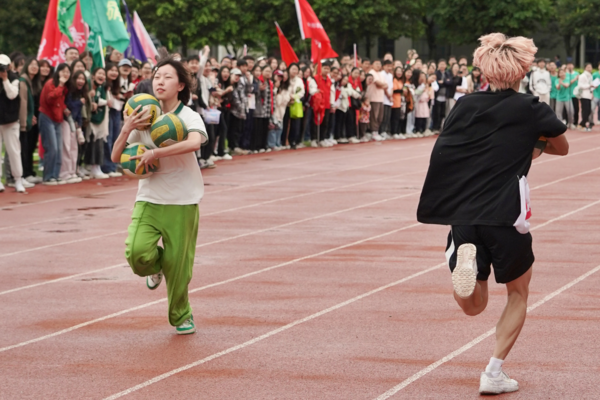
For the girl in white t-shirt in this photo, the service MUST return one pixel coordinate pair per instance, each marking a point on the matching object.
(167, 202)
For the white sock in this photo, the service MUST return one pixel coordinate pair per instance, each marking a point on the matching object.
(494, 367)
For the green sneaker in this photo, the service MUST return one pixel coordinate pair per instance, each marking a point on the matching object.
(187, 327)
(153, 281)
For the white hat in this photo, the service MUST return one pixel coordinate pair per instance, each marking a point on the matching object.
(236, 71)
(4, 60)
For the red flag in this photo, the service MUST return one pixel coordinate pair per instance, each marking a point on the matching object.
(322, 49)
(310, 27)
(287, 52)
(51, 38)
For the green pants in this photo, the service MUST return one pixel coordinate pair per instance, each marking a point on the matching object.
(178, 227)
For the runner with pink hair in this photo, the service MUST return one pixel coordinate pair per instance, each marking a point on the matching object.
(477, 184)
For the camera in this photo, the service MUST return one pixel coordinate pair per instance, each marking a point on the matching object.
(3, 68)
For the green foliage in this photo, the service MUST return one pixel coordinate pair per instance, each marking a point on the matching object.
(22, 25)
(578, 17)
(464, 21)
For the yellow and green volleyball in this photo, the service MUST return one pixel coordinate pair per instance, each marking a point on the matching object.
(147, 101)
(168, 130)
(130, 166)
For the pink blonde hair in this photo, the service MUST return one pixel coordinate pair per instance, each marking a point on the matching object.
(503, 60)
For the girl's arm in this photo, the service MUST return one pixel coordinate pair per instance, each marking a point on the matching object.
(131, 122)
(190, 145)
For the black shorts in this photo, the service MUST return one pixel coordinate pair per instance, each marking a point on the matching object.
(501, 246)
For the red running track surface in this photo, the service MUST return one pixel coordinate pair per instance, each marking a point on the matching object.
(312, 280)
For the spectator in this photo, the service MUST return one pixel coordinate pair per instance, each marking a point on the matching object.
(9, 123)
(540, 82)
(71, 54)
(264, 109)
(72, 133)
(52, 111)
(553, 82)
(563, 97)
(596, 99)
(573, 77)
(239, 107)
(396, 115)
(585, 91)
(439, 105)
(115, 108)
(376, 94)
(101, 99)
(388, 77)
(29, 90)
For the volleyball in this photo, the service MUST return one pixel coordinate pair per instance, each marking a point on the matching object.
(147, 101)
(130, 166)
(168, 130)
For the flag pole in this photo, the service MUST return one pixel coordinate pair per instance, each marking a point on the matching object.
(355, 57)
(101, 51)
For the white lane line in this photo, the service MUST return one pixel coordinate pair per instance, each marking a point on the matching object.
(478, 339)
(225, 239)
(270, 333)
(218, 191)
(296, 260)
(385, 149)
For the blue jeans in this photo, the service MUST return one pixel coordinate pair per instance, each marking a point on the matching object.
(114, 129)
(274, 138)
(52, 142)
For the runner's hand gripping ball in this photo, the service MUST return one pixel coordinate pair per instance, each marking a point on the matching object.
(130, 166)
(147, 101)
(168, 130)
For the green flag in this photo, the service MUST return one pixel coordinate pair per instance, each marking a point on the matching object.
(64, 15)
(104, 19)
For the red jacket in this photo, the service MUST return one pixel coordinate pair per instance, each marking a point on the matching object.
(52, 101)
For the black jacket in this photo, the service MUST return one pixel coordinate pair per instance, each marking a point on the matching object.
(9, 109)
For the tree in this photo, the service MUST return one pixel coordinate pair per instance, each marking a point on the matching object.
(575, 18)
(22, 26)
(464, 21)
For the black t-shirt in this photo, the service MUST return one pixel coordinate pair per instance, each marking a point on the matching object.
(485, 148)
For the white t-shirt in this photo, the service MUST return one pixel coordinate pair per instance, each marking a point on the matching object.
(464, 85)
(178, 180)
(389, 79)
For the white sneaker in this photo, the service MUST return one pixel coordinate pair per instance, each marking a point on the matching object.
(428, 133)
(19, 186)
(420, 135)
(217, 158)
(353, 140)
(210, 163)
(364, 139)
(333, 142)
(34, 179)
(268, 150)
(26, 184)
(369, 136)
(74, 179)
(60, 182)
(153, 281)
(212, 159)
(51, 182)
(464, 276)
(227, 157)
(261, 151)
(396, 136)
(502, 384)
(100, 175)
(401, 136)
(323, 143)
(343, 141)
(410, 135)
(313, 143)
(300, 146)
(377, 137)
(115, 174)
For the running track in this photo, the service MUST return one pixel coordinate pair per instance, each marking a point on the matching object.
(312, 280)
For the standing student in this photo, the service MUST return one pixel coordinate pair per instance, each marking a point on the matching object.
(585, 88)
(364, 119)
(264, 108)
(540, 82)
(563, 98)
(439, 105)
(573, 77)
(410, 115)
(452, 80)
(282, 99)
(101, 99)
(355, 105)
(397, 89)
(375, 92)
(477, 184)
(29, 90)
(386, 74)
(296, 90)
(319, 131)
(553, 82)
(239, 107)
(52, 108)
(474, 80)
(167, 202)
(72, 126)
(224, 92)
(113, 85)
(423, 93)
(596, 95)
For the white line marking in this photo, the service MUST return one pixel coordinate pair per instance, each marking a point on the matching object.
(96, 212)
(221, 240)
(240, 172)
(84, 324)
(478, 339)
(271, 333)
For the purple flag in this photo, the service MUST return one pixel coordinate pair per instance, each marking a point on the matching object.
(135, 48)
